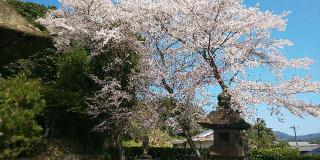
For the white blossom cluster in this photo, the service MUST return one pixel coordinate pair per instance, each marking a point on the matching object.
(92, 22)
(106, 102)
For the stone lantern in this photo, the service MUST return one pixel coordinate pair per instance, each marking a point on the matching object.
(227, 125)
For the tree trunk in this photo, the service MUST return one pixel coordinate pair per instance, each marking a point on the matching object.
(192, 144)
(145, 145)
(120, 150)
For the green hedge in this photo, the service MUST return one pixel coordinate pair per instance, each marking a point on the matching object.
(273, 154)
(161, 153)
(279, 154)
(134, 153)
(186, 154)
(308, 157)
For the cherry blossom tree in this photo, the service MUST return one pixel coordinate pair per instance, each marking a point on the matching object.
(187, 46)
(98, 25)
(144, 120)
(228, 42)
(220, 43)
(185, 94)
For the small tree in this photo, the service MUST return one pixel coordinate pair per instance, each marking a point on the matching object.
(259, 136)
(115, 102)
(20, 103)
(143, 122)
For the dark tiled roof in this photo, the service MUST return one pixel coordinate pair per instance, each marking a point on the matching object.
(225, 118)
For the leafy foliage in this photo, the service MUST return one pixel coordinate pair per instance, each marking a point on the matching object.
(112, 71)
(162, 153)
(67, 83)
(73, 71)
(20, 102)
(160, 138)
(273, 154)
(308, 157)
(66, 111)
(43, 64)
(259, 136)
(131, 143)
(187, 154)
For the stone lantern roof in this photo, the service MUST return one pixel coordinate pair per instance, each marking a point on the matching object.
(225, 116)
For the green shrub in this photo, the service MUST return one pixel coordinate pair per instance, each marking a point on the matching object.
(308, 157)
(73, 70)
(66, 98)
(20, 102)
(186, 154)
(42, 65)
(273, 154)
(161, 153)
(131, 143)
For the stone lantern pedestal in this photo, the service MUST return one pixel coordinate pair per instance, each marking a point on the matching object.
(227, 125)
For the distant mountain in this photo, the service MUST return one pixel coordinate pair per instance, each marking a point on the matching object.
(308, 137)
(284, 136)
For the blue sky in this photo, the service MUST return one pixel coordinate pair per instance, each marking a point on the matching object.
(303, 30)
